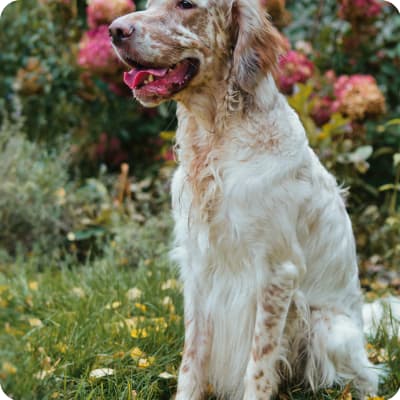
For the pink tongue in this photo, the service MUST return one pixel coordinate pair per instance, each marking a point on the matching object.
(135, 77)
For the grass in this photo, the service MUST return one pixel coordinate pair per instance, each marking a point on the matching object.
(59, 323)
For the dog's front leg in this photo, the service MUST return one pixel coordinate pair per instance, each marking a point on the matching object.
(192, 380)
(273, 303)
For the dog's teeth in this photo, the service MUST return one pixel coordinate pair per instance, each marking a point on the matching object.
(151, 78)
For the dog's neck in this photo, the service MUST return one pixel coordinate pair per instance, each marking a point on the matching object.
(221, 117)
(216, 105)
(216, 127)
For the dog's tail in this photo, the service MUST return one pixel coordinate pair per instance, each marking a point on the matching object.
(382, 314)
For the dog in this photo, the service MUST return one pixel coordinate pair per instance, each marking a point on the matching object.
(262, 237)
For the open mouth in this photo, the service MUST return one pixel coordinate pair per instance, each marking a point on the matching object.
(151, 81)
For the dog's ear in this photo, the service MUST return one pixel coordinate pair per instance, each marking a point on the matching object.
(258, 44)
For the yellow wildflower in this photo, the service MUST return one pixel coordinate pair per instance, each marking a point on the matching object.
(33, 285)
(145, 362)
(141, 307)
(35, 322)
(114, 305)
(159, 323)
(168, 303)
(3, 288)
(9, 368)
(139, 333)
(61, 347)
(136, 353)
(133, 322)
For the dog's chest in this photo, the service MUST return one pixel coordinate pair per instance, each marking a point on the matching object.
(220, 227)
(215, 251)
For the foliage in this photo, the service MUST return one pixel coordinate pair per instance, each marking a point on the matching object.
(40, 62)
(30, 181)
(43, 210)
(351, 39)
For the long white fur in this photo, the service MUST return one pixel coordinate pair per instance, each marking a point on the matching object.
(267, 202)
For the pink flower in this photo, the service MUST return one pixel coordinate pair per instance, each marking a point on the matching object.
(345, 83)
(358, 96)
(322, 110)
(351, 10)
(96, 53)
(101, 12)
(295, 67)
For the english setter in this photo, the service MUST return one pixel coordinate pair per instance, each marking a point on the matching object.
(263, 239)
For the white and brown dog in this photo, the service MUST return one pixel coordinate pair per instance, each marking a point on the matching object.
(263, 239)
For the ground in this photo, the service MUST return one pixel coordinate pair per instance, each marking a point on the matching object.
(107, 329)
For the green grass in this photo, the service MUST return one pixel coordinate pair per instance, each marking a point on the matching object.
(60, 322)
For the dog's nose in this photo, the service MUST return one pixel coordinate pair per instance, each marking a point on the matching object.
(120, 31)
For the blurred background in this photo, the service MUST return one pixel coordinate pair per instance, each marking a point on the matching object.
(84, 187)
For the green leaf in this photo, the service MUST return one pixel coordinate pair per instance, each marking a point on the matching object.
(361, 154)
(396, 159)
(335, 125)
(88, 234)
(395, 121)
(389, 186)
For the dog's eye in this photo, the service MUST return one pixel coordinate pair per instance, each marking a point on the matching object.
(185, 5)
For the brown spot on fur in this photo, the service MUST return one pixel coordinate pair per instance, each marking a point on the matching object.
(255, 355)
(188, 323)
(269, 308)
(267, 387)
(270, 323)
(185, 369)
(267, 349)
(191, 354)
(259, 375)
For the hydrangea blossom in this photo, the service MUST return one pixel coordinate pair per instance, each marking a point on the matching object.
(295, 67)
(101, 12)
(358, 96)
(96, 53)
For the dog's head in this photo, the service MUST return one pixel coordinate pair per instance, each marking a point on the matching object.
(177, 46)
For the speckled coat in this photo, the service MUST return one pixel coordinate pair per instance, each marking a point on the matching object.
(262, 236)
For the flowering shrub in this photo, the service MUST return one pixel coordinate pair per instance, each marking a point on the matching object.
(31, 78)
(102, 12)
(358, 96)
(359, 10)
(96, 53)
(295, 67)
